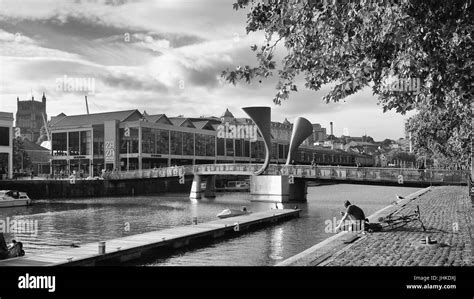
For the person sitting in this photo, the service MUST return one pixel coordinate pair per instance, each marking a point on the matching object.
(353, 213)
(3, 248)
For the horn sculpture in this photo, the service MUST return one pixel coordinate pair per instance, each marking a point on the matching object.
(261, 116)
(302, 129)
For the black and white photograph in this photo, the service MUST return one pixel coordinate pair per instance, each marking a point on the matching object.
(236, 147)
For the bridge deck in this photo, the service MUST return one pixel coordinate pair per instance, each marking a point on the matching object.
(132, 247)
(308, 172)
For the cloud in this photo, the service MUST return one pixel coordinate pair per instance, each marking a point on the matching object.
(161, 56)
(133, 82)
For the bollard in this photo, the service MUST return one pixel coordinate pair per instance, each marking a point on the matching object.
(102, 247)
(195, 220)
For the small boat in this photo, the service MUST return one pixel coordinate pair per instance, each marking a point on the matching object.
(232, 213)
(13, 198)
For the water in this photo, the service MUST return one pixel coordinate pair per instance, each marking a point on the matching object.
(65, 222)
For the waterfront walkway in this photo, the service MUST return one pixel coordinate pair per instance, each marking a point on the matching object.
(447, 215)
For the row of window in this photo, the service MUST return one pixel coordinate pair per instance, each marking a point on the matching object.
(164, 142)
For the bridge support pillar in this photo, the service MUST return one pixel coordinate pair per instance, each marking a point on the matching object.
(196, 190)
(277, 188)
(210, 187)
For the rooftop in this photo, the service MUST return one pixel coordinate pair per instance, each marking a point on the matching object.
(98, 118)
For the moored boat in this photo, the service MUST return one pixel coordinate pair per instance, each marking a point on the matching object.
(232, 213)
(13, 198)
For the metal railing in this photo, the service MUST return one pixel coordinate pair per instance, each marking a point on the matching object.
(399, 175)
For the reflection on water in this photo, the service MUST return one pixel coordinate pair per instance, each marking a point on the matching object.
(78, 221)
(276, 244)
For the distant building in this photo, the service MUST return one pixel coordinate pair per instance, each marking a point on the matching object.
(6, 145)
(130, 140)
(29, 117)
(318, 135)
(40, 157)
(361, 147)
(405, 144)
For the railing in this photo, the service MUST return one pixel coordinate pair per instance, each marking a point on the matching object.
(399, 175)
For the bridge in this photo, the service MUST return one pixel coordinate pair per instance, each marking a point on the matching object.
(289, 182)
(286, 183)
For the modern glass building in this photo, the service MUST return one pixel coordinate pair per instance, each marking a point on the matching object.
(130, 140)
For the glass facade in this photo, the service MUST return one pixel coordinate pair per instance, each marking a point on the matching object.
(176, 140)
(229, 147)
(73, 143)
(85, 143)
(160, 147)
(220, 147)
(162, 142)
(59, 144)
(210, 146)
(4, 136)
(98, 133)
(148, 141)
(188, 144)
(129, 144)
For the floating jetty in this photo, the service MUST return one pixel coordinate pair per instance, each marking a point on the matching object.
(133, 247)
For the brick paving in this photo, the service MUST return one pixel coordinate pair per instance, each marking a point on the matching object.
(447, 215)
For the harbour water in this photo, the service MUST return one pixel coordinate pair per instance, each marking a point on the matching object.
(61, 223)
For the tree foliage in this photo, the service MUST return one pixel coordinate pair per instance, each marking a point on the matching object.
(397, 154)
(443, 134)
(21, 160)
(355, 44)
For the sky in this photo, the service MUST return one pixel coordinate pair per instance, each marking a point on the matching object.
(162, 56)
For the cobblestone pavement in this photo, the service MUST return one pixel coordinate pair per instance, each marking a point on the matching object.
(446, 214)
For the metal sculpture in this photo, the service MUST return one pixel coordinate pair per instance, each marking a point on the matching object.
(261, 116)
(302, 129)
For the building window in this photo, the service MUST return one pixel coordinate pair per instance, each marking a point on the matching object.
(247, 148)
(59, 144)
(98, 140)
(4, 136)
(188, 144)
(176, 139)
(162, 142)
(229, 147)
(210, 146)
(280, 151)
(274, 151)
(238, 147)
(200, 148)
(148, 141)
(73, 143)
(130, 142)
(85, 145)
(220, 146)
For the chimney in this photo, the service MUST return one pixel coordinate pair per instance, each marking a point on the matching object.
(332, 133)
